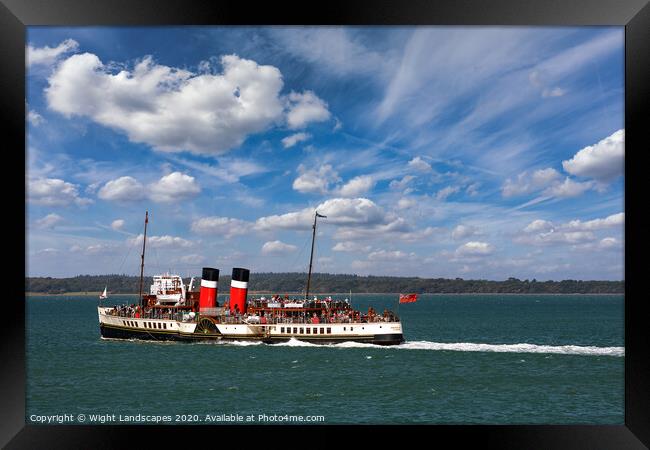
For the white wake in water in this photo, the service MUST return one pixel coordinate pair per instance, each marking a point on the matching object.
(231, 343)
(515, 348)
(473, 347)
(427, 345)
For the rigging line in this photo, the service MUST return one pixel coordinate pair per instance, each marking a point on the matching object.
(293, 264)
(155, 254)
(127, 254)
(114, 259)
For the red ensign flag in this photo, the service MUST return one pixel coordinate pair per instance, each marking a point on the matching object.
(408, 298)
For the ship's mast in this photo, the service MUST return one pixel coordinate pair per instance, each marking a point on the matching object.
(311, 257)
(144, 243)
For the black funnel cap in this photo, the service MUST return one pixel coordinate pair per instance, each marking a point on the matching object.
(239, 274)
(210, 274)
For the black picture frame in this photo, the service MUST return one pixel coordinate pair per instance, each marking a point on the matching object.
(15, 15)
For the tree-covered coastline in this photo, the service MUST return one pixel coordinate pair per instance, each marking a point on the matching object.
(329, 283)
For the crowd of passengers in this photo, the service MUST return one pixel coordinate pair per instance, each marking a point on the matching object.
(346, 315)
(135, 311)
(282, 302)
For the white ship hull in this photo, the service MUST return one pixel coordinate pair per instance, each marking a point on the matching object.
(118, 327)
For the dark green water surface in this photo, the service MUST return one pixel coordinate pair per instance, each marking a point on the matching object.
(470, 359)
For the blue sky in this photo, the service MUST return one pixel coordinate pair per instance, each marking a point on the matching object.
(473, 152)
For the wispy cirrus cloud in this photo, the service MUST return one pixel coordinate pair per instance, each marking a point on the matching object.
(431, 148)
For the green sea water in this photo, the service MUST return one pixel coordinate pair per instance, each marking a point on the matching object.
(468, 359)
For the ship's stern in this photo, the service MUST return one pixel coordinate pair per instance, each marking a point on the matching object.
(389, 335)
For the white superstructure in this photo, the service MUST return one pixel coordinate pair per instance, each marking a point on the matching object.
(168, 289)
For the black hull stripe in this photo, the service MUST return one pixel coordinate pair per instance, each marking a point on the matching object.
(116, 332)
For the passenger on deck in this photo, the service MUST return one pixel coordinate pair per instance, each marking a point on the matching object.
(315, 319)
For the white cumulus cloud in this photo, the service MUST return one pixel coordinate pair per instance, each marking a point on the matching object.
(54, 192)
(166, 241)
(122, 189)
(173, 187)
(463, 231)
(175, 110)
(350, 246)
(117, 224)
(169, 188)
(568, 188)
(538, 225)
(339, 211)
(547, 181)
(612, 221)
(406, 203)
(419, 165)
(526, 183)
(442, 194)
(388, 255)
(48, 55)
(34, 118)
(294, 139)
(315, 181)
(93, 249)
(475, 248)
(609, 242)
(543, 232)
(277, 248)
(304, 108)
(402, 184)
(356, 186)
(220, 226)
(49, 221)
(603, 161)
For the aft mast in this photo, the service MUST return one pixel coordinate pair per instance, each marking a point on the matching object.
(144, 243)
(311, 257)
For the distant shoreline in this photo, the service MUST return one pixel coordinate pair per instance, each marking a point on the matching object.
(329, 284)
(96, 294)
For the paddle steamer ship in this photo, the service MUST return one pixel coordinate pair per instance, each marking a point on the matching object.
(173, 311)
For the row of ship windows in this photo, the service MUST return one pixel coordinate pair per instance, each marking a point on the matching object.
(314, 330)
(131, 323)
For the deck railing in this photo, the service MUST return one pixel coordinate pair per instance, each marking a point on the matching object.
(221, 315)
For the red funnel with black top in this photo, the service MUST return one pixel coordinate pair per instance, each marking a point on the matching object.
(239, 289)
(209, 283)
